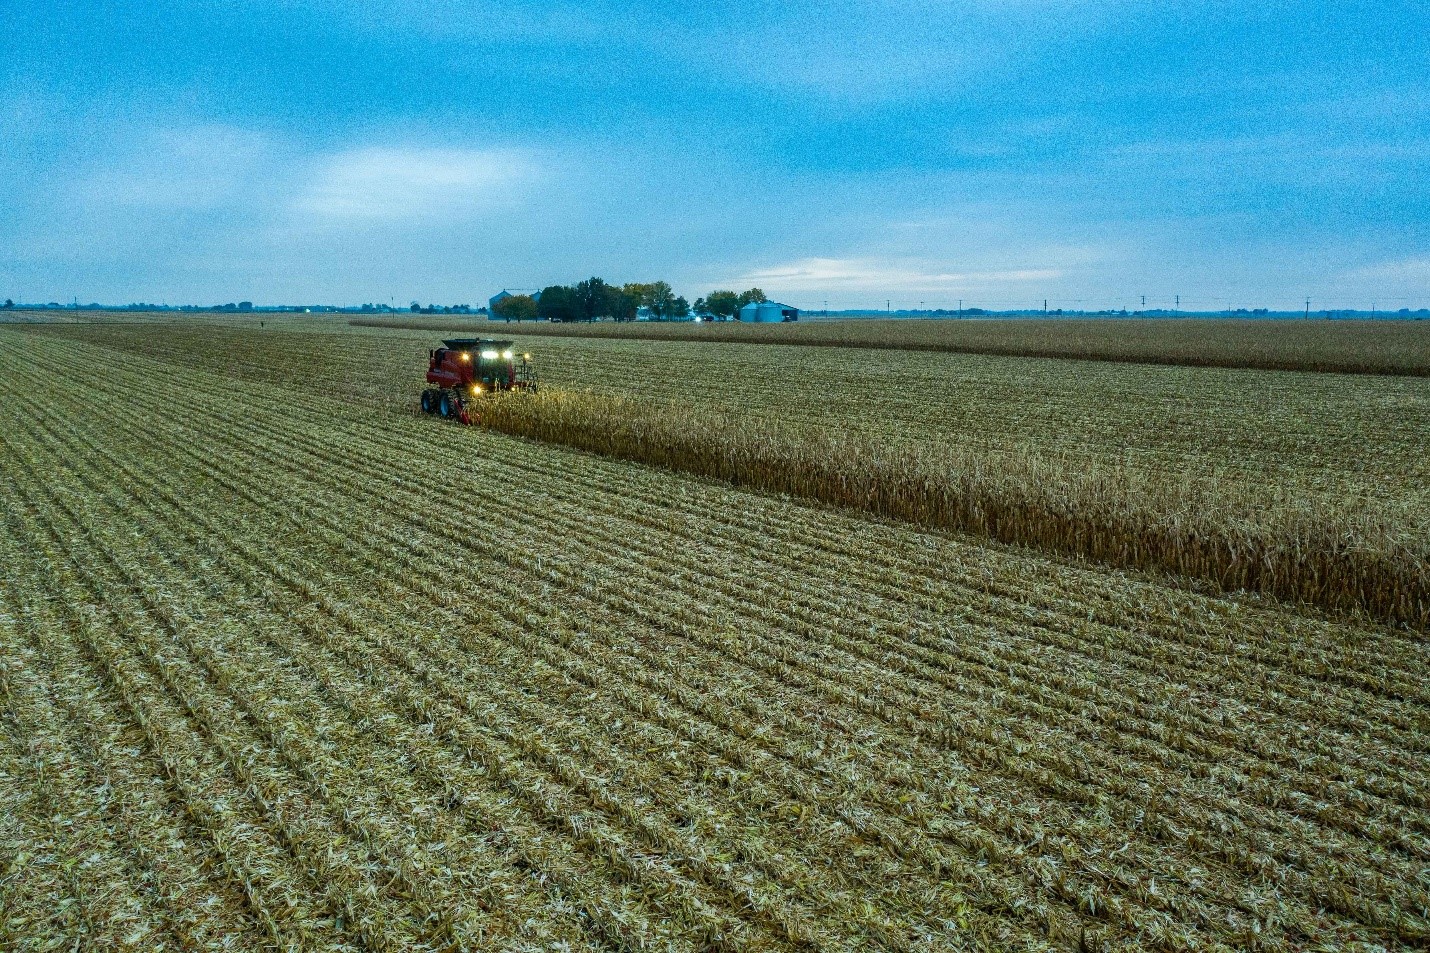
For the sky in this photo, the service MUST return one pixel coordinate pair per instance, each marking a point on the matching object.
(863, 153)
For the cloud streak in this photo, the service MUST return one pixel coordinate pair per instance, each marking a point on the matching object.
(412, 183)
(192, 168)
(1411, 269)
(871, 274)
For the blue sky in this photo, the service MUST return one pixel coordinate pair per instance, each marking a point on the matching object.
(1001, 152)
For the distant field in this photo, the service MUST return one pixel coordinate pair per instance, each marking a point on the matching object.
(48, 316)
(284, 665)
(1360, 347)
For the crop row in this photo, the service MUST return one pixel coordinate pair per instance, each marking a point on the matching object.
(418, 441)
(779, 711)
(208, 739)
(1329, 664)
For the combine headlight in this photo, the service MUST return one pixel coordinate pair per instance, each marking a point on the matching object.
(506, 354)
(476, 388)
(489, 355)
(466, 356)
(526, 357)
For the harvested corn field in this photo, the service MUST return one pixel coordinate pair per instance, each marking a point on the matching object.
(277, 674)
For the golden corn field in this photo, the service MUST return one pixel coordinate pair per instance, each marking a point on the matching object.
(286, 666)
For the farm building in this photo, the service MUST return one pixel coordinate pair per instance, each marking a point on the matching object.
(766, 311)
(503, 294)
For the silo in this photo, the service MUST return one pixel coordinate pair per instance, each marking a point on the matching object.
(764, 312)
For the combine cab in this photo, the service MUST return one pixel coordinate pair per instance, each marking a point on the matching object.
(464, 370)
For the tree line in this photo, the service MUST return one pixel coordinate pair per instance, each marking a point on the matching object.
(594, 298)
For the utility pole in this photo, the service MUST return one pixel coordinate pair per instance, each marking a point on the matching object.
(1308, 309)
(1178, 305)
(1144, 302)
(1045, 307)
(960, 306)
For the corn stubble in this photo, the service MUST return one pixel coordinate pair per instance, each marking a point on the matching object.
(261, 689)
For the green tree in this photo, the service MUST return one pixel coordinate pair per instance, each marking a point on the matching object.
(745, 297)
(680, 308)
(515, 308)
(594, 296)
(559, 303)
(662, 300)
(723, 304)
(622, 306)
(640, 293)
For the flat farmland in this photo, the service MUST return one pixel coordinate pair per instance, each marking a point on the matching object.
(1312, 487)
(1350, 347)
(1347, 438)
(286, 666)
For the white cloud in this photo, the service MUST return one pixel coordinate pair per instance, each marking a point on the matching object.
(222, 213)
(873, 274)
(201, 167)
(248, 178)
(397, 183)
(1410, 269)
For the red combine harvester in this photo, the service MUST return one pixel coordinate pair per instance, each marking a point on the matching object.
(464, 370)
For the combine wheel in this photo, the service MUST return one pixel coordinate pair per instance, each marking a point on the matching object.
(429, 405)
(446, 407)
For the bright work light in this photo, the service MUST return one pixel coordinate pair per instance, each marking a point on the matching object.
(506, 354)
(489, 355)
